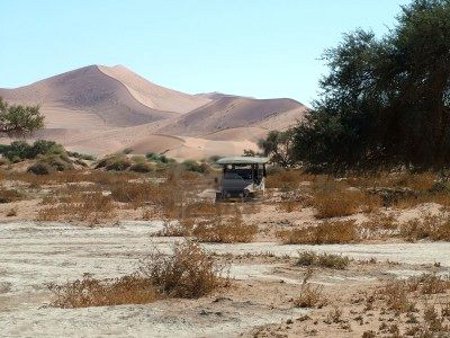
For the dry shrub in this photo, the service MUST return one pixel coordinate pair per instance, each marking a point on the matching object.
(189, 273)
(10, 195)
(202, 208)
(379, 226)
(338, 203)
(336, 199)
(135, 193)
(395, 295)
(94, 208)
(181, 228)
(310, 296)
(435, 228)
(88, 291)
(289, 206)
(324, 233)
(225, 230)
(310, 258)
(286, 179)
(430, 284)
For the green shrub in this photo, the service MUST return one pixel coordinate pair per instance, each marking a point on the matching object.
(159, 158)
(17, 151)
(80, 156)
(309, 258)
(117, 162)
(191, 165)
(20, 150)
(57, 162)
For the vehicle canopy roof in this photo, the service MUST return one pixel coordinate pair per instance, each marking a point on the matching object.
(242, 160)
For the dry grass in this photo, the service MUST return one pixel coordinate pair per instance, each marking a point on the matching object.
(136, 193)
(88, 291)
(310, 296)
(435, 228)
(10, 195)
(287, 180)
(337, 199)
(225, 230)
(189, 273)
(338, 232)
(93, 208)
(396, 293)
(324, 260)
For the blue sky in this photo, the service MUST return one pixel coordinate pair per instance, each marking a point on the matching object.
(259, 48)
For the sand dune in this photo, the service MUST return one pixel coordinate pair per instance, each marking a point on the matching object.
(100, 110)
(253, 134)
(152, 95)
(89, 93)
(231, 112)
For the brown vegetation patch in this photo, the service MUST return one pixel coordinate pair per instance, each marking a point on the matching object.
(225, 230)
(338, 232)
(88, 291)
(435, 228)
(189, 273)
(94, 208)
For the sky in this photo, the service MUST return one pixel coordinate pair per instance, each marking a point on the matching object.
(257, 48)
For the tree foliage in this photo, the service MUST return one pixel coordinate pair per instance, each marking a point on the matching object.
(279, 147)
(19, 120)
(385, 102)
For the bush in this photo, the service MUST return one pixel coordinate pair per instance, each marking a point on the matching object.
(159, 158)
(43, 147)
(189, 273)
(17, 151)
(10, 195)
(80, 156)
(20, 150)
(40, 168)
(117, 162)
(191, 165)
(309, 258)
(141, 167)
(58, 162)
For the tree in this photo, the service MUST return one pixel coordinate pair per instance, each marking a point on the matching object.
(385, 102)
(19, 120)
(278, 146)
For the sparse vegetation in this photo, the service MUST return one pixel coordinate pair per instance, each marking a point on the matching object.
(89, 291)
(91, 208)
(338, 232)
(310, 258)
(311, 296)
(189, 273)
(220, 230)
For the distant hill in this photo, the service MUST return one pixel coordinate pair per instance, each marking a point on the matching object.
(100, 109)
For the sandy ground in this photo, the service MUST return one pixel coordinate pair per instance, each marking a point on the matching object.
(33, 254)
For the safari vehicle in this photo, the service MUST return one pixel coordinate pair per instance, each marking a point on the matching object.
(242, 177)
